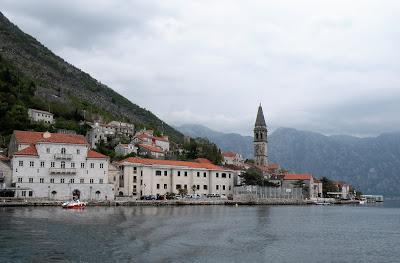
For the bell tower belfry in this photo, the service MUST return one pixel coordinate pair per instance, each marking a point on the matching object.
(260, 139)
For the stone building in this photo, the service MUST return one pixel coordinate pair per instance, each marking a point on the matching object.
(5, 175)
(141, 176)
(232, 158)
(40, 115)
(58, 166)
(260, 140)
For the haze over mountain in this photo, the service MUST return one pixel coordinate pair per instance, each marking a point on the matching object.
(373, 164)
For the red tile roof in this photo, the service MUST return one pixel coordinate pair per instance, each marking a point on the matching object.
(297, 177)
(229, 154)
(164, 139)
(151, 148)
(94, 154)
(30, 137)
(202, 160)
(4, 158)
(31, 150)
(197, 165)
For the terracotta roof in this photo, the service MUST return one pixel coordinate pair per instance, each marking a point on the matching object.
(197, 165)
(30, 137)
(202, 160)
(164, 139)
(297, 177)
(151, 148)
(229, 154)
(4, 158)
(31, 150)
(93, 154)
(273, 166)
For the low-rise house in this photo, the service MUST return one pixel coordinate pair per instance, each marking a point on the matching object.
(41, 116)
(150, 151)
(5, 175)
(304, 181)
(99, 132)
(140, 176)
(124, 149)
(147, 137)
(343, 191)
(232, 158)
(122, 128)
(58, 166)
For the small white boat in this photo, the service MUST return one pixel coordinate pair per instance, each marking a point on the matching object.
(363, 201)
(323, 203)
(74, 204)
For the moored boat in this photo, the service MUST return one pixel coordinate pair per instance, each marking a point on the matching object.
(74, 204)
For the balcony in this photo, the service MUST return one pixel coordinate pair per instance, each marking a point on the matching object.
(62, 171)
(62, 156)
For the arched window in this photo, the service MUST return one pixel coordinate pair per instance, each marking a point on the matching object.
(53, 194)
(121, 193)
(63, 150)
(63, 164)
(256, 135)
(261, 136)
(97, 195)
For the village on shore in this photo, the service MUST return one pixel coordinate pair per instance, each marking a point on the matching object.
(47, 168)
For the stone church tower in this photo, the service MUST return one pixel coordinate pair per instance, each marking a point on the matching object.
(260, 139)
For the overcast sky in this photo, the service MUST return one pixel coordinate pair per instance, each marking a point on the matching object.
(325, 66)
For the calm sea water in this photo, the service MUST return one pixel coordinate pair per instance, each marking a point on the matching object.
(368, 233)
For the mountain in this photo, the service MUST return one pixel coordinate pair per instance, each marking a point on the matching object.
(372, 164)
(66, 87)
(226, 141)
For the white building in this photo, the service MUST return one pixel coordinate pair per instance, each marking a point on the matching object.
(150, 151)
(5, 174)
(141, 176)
(40, 115)
(122, 128)
(124, 149)
(232, 158)
(58, 166)
(98, 133)
(147, 137)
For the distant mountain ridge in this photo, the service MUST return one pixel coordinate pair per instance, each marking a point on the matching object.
(373, 164)
(58, 81)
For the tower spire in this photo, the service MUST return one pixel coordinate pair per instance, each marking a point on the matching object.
(260, 121)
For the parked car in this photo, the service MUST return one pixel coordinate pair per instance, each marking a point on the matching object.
(150, 197)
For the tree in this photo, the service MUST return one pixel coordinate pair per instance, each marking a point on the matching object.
(182, 191)
(328, 186)
(194, 188)
(254, 177)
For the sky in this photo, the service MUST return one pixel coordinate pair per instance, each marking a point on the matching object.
(325, 66)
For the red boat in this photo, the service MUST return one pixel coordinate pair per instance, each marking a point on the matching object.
(74, 204)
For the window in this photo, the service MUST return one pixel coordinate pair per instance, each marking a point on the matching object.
(185, 186)
(158, 186)
(82, 181)
(158, 173)
(179, 173)
(223, 175)
(101, 165)
(185, 173)
(91, 165)
(229, 188)
(178, 186)
(134, 179)
(62, 180)
(63, 151)
(78, 151)
(165, 173)
(30, 193)
(91, 181)
(205, 187)
(52, 180)
(204, 174)
(217, 175)
(72, 165)
(217, 187)
(31, 164)
(71, 181)
(21, 163)
(82, 165)
(47, 150)
(229, 175)
(141, 182)
(42, 164)
(100, 181)
(223, 187)
(41, 180)
(52, 164)
(198, 187)
(198, 174)
(31, 180)
(63, 165)
(165, 186)
(23, 193)
(19, 180)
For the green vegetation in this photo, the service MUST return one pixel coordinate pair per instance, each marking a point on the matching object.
(328, 186)
(254, 177)
(201, 148)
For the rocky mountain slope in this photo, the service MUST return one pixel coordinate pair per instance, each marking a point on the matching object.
(59, 82)
(373, 164)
